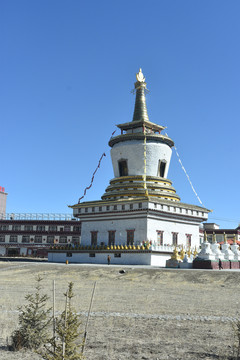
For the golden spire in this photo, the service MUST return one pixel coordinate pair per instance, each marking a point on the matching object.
(205, 236)
(235, 239)
(195, 252)
(140, 110)
(182, 253)
(225, 237)
(214, 238)
(175, 255)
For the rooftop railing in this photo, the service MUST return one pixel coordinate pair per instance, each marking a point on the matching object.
(37, 216)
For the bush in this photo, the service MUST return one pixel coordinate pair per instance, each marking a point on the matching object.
(34, 320)
(63, 346)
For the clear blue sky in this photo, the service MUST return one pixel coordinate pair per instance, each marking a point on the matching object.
(67, 69)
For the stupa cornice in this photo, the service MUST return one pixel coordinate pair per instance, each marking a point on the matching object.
(139, 123)
(141, 136)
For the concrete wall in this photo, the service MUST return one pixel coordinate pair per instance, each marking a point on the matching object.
(168, 227)
(159, 260)
(133, 152)
(101, 258)
(119, 225)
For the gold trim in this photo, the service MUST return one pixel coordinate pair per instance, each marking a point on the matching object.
(138, 177)
(134, 195)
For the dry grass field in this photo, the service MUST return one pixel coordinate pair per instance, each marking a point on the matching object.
(144, 313)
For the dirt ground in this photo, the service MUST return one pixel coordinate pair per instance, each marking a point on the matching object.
(145, 313)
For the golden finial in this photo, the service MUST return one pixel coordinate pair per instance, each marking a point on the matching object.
(182, 253)
(225, 237)
(235, 239)
(205, 236)
(195, 252)
(175, 255)
(214, 238)
(140, 77)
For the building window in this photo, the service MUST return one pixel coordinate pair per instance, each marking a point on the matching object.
(155, 205)
(3, 227)
(111, 237)
(174, 209)
(52, 228)
(63, 239)
(93, 209)
(140, 205)
(16, 227)
(186, 211)
(50, 239)
(40, 228)
(130, 237)
(79, 211)
(67, 228)
(86, 210)
(92, 255)
(108, 207)
(76, 240)
(94, 238)
(28, 227)
(174, 238)
(76, 228)
(188, 240)
(161, 168)
(100, 208)
(2, 238)
(159, 237)
(180, 210)
(38, 239)
(123, 207)
(13, 238)
(26, 239)
(117, 255)
(69, 254)
(131, 206)
(115, 207)
(123, 168)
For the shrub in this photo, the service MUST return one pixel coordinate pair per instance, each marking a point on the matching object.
(63, 345)
(34, 320)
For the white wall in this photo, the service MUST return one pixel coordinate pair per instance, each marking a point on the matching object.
(101, 258)
(159, 260)
(168, 227)
(133, 151)
(120, 225)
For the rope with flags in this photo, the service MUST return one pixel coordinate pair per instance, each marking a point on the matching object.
(145, 163)
(187, 176)
(88, 187)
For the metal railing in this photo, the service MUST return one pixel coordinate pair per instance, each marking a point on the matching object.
(37, 216)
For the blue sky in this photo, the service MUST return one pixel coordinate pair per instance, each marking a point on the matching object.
(67, 71)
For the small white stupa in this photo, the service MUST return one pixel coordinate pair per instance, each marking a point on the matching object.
(226, 250)
(206, 251)
(216, 249)
(235, 249)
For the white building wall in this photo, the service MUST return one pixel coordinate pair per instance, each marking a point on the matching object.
(168, 227)
(159, 260)
(119, 225)
(101, 258)
(133, 152)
